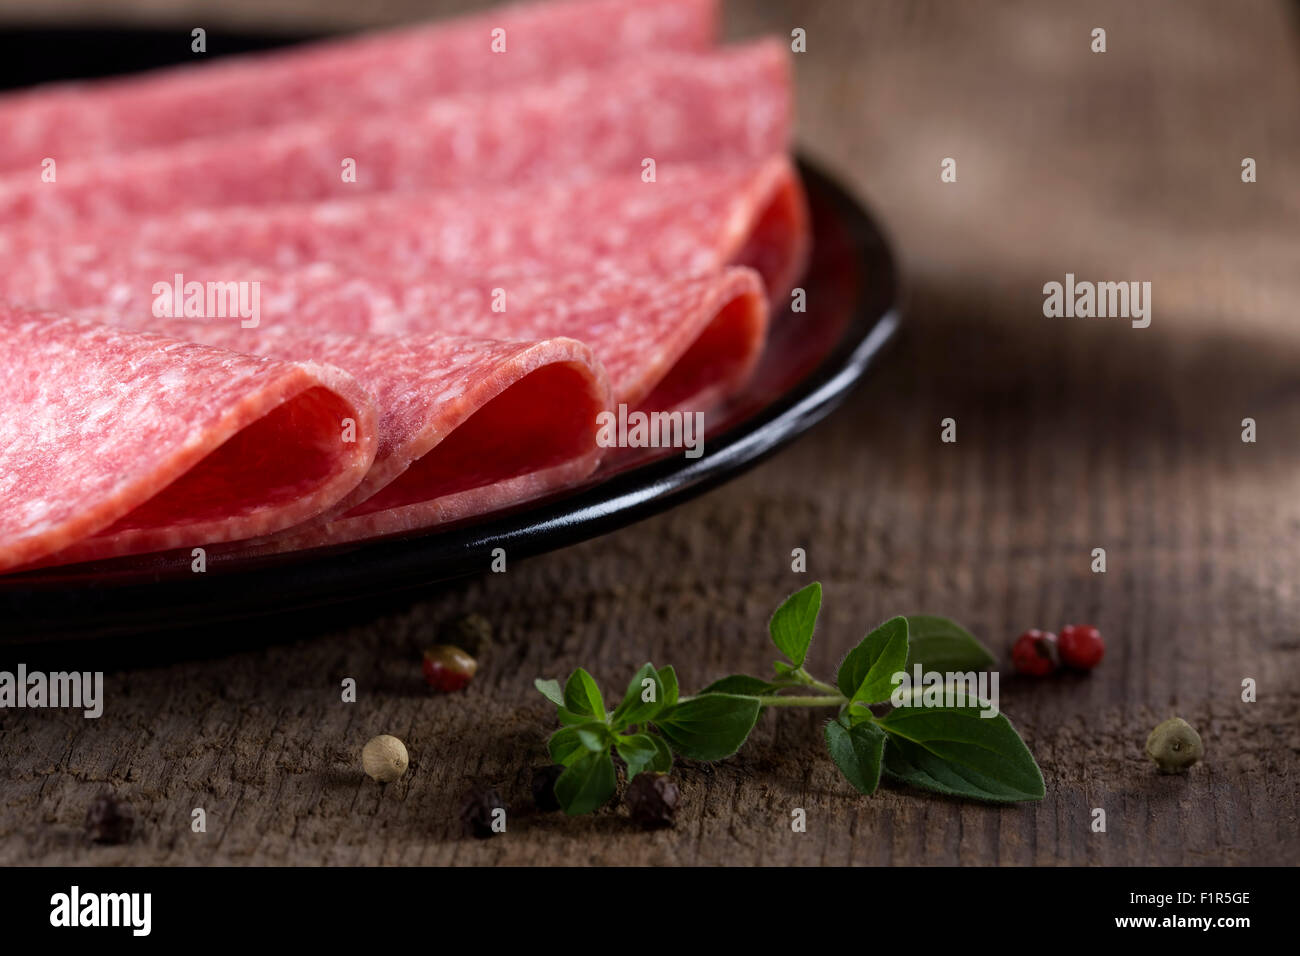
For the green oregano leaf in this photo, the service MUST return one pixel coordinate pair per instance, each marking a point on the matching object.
(956, 751)
(668, 680)
(866, 675)
(638, 752)
(792, 625)
(570, 719)
(594, 736)
(943, 646)
(635, 709)
(565, 746)
(950, 750)
(550, 689)
(582, 696)
(587, 784)
(857, 751)
(709, 727)
(741, 684)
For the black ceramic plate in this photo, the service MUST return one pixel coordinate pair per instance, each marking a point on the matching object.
(811, 363)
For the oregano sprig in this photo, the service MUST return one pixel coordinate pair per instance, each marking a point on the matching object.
(956, 750)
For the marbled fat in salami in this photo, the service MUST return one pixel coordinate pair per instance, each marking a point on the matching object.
(598, 214)
(462, 423)
(666, 343)
(732, 104)
(118, 442)
(76, 122)
(693, 219)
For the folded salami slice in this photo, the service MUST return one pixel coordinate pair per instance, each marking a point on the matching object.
(734, 104)
(118, 442)
(666, 343)
(526, 410)
(693, 219)
(464, 425)
(382, 71)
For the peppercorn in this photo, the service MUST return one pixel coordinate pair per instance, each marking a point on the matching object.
(448, 668)
(477, 807)
(470, 631)
(544, 787)
(652, 799)
(1081, 646)
(1175, 745)
(109, 820)
(384, 758)
(1034, 653)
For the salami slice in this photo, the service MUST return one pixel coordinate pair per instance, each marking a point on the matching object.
(666, 343)
(370, 73)
(671, 107)
(463, 424)
(118, 442)
(467, 426)
(693, 219)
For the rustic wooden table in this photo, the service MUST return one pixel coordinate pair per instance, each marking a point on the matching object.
(1072, 435)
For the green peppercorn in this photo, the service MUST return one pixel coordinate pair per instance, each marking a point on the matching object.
(1175, 745)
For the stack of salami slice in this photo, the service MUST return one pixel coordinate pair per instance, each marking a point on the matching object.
(373, 285)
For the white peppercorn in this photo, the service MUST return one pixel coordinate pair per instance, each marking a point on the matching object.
(384, 758)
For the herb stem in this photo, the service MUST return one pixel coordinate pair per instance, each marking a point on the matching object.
(817, 700)
(801, 676)
(826, 688)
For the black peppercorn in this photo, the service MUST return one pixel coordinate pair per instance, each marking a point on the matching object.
(652, 800)
(478, 810)
(544, 787)
(473, 632)
(109, 820)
